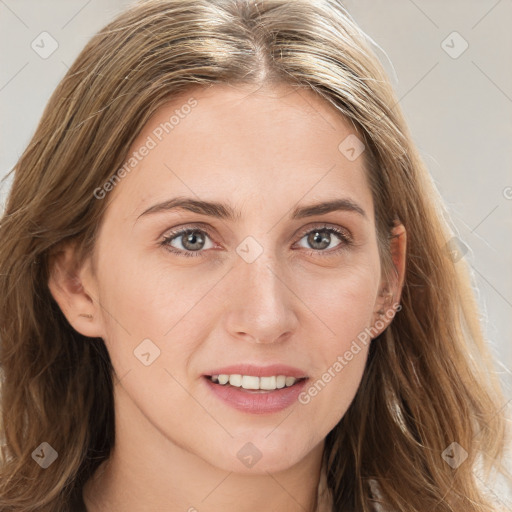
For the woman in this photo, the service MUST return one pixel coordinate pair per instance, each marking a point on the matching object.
(226, 283)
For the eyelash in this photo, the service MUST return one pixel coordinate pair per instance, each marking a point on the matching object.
(346, 240)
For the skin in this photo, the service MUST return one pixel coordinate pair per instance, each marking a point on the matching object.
(264, 151)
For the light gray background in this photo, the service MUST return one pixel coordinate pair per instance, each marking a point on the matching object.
(459, 111)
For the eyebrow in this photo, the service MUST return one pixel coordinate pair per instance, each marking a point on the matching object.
(227, 212)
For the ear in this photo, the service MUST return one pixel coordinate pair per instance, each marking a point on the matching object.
(390, 291)
(73, 288)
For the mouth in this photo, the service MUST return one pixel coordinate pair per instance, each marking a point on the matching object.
(255, 389)
(254, 384)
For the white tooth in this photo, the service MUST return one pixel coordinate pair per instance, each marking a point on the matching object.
(267, 382)
(223, 379)
(235, 380)
(290, 381)
(249, 382)
(280, 381)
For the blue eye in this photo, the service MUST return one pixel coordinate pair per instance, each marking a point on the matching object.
(193, 241)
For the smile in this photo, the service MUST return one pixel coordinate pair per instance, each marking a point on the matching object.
(251, 382)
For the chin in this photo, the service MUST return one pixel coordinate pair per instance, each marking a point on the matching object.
(267, 451)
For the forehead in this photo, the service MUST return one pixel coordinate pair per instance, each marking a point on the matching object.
(243, 145)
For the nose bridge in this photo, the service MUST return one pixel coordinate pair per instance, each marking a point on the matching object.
(263, 281)
(260, 302)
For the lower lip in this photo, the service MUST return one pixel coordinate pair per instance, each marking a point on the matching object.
(257, 402)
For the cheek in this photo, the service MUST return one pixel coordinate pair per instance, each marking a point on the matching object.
(142, 300)
(343, 307)
(342, 300)
(339, 367)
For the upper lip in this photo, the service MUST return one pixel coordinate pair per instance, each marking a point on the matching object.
(259, 371)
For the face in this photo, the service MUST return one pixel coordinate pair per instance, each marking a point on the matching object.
(259, 285)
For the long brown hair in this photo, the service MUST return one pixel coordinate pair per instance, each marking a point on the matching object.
(429, 380)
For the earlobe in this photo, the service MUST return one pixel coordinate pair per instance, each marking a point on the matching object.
(75, 301)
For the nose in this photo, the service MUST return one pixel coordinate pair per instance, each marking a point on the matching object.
(261, 304)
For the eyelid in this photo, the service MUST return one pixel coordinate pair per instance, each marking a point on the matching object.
(195, 226)
(326, 225)
(306, 229)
